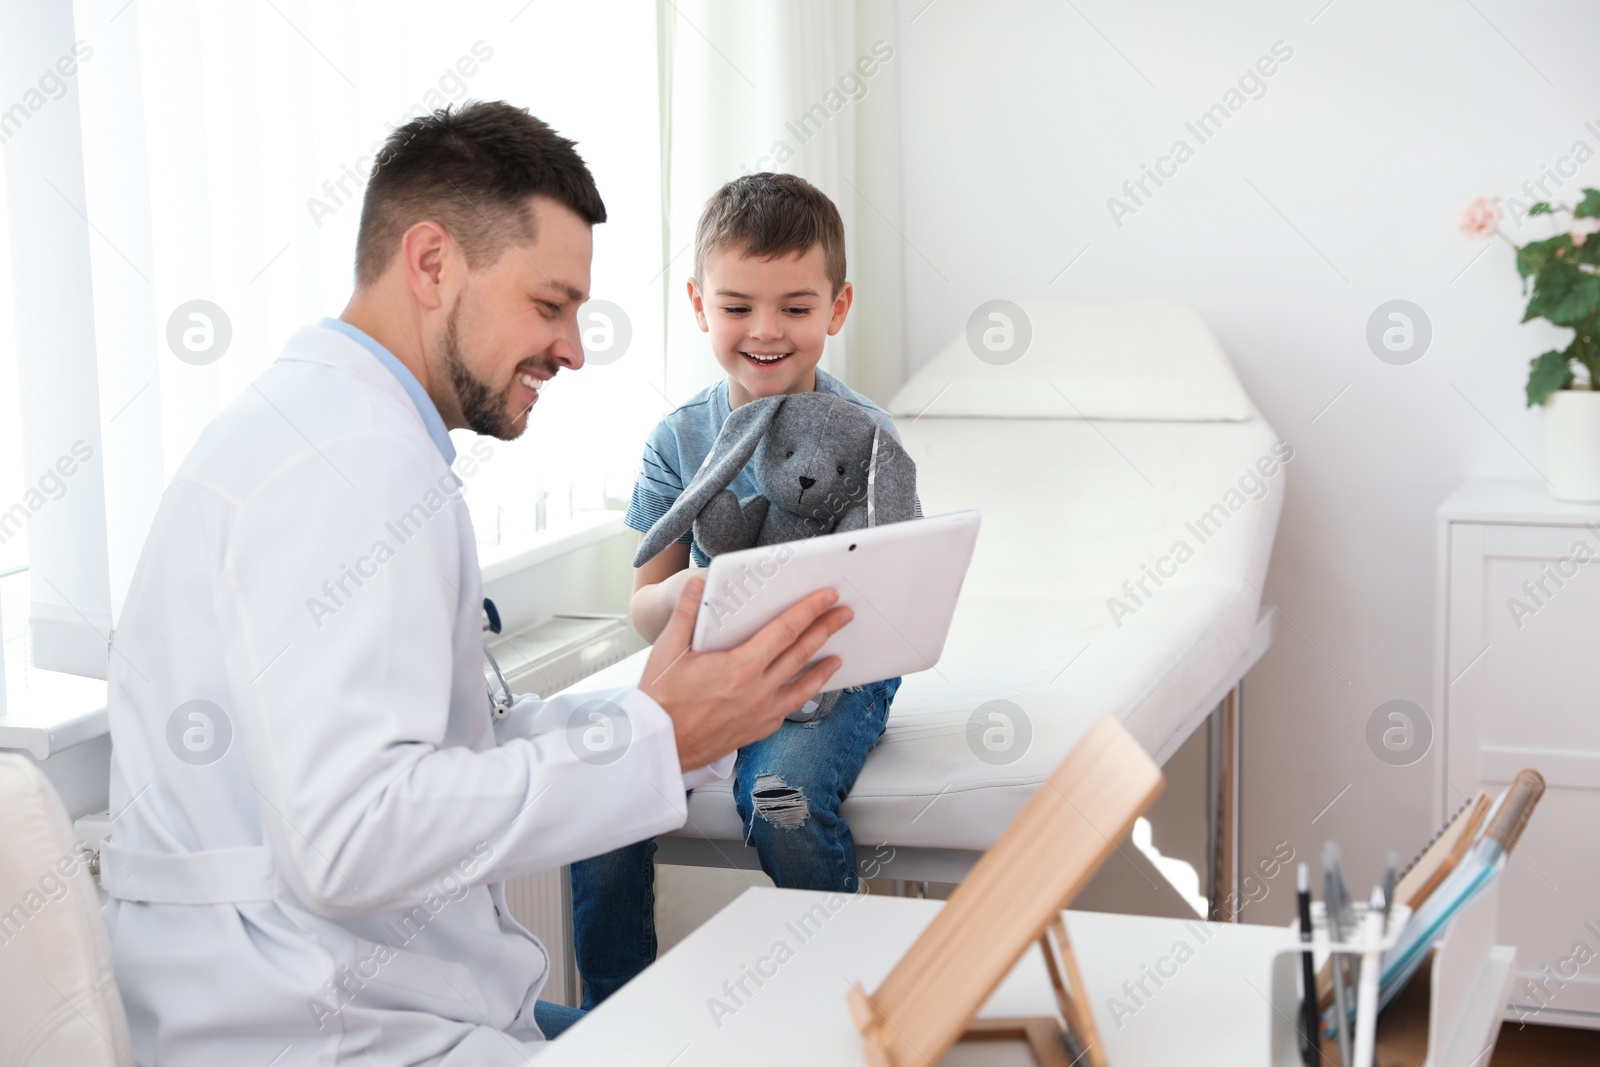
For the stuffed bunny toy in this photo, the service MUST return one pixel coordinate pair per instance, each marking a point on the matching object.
(825, 465)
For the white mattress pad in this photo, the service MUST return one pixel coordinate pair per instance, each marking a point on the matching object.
(1072, 509)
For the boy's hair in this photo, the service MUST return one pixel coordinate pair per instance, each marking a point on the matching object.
(771, 215)
(471, 170)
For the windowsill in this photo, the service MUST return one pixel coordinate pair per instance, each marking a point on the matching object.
(47, 711)
(586, 528)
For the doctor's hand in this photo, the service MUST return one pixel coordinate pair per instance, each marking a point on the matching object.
(722, 701)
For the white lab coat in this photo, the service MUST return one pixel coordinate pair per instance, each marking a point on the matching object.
(328, 890)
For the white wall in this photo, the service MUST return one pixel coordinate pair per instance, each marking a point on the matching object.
(1335, 191)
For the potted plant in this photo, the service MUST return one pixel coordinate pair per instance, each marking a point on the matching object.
(1561, 279)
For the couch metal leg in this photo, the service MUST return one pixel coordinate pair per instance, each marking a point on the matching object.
(1224, 737)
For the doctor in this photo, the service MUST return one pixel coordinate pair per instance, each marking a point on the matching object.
(314, 806)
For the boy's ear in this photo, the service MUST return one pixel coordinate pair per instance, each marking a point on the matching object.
(841, 308)
(697, 301)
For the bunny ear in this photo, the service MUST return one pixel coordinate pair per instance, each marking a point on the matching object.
(735, 444)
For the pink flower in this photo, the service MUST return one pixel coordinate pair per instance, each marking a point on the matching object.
(1479, 218)
(1582, 228)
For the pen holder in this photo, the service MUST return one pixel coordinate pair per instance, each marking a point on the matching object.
(1285, 1036)
(1450, 1012)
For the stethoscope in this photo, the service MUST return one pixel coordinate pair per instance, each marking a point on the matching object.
(499, 702)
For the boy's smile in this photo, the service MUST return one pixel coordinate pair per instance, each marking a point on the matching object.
(768, 319)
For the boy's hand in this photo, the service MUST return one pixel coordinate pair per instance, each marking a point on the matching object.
(670, 592)
(657, 588)
(722, 701)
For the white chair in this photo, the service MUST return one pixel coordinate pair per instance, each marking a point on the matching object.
(59, 1005)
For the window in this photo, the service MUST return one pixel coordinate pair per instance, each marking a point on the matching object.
(13, 531)
(13, 537)
(258, 154)
(225, 148)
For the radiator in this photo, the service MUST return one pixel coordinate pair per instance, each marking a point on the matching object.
(562, 652)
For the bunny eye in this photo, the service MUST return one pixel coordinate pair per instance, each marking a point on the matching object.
(789, 454)
(839, 469)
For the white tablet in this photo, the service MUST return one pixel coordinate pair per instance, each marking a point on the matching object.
(902, 581)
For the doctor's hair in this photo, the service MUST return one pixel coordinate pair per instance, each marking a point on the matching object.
(768, 216)
(471, 169)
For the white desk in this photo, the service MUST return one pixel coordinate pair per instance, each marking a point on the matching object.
(1212, 1010)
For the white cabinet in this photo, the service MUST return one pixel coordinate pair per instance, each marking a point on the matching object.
(1518, 685)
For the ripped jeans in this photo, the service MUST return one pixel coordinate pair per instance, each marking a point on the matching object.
(788, 788)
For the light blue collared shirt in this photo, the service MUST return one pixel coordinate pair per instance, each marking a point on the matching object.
(419, 396)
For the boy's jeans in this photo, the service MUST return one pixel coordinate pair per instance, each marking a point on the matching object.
(788, 788)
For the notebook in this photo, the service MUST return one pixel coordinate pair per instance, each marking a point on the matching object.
(1441, 855)
(1431, 865)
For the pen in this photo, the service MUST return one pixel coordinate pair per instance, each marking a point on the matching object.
(1341, 1019)
(1311, 1048)
(1371, 968)
(1390, 878)
(1347, 908)
(1348, 929)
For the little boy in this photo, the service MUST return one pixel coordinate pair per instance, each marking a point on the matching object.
(769, 288)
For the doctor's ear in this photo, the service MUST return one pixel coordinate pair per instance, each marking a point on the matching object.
(429, 257)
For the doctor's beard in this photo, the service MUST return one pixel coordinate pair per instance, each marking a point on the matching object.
(483, 408)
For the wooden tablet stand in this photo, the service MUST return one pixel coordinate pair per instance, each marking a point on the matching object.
(1012, 898)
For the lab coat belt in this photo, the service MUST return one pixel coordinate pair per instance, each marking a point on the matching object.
(211, 876)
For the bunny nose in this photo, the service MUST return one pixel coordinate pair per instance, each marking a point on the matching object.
(807, 483)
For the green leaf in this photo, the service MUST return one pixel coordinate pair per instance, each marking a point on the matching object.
(1547, 374)
(1589, 206)
(1551, 283)
(1564, 295)
(1532, 256)
(1542, 207)
(1588, 252)
(1580, 303)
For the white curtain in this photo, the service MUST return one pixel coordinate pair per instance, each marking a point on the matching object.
(59, 511)
(806, 88)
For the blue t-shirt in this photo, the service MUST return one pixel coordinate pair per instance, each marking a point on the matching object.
(681, 442)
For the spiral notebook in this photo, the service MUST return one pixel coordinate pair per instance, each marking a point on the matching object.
(1431, 866)
(1441, 855)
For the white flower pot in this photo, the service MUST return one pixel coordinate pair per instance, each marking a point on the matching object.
(1572, 445)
